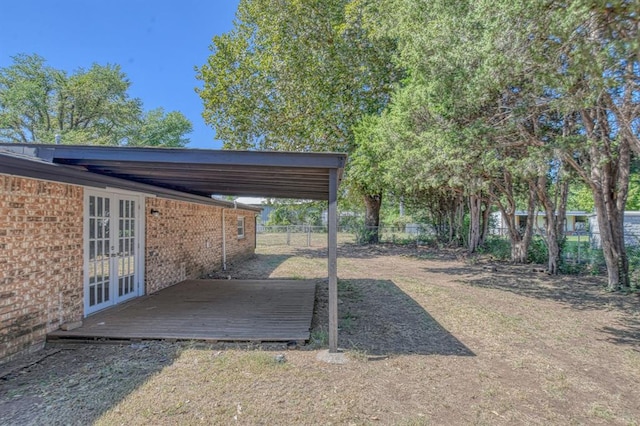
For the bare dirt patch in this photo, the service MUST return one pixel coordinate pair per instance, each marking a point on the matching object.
(432, 338)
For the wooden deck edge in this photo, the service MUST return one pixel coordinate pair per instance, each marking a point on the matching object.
(71, 339)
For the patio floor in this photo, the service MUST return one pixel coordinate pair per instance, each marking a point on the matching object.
(210, 310)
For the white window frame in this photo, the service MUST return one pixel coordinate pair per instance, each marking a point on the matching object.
(241, 227)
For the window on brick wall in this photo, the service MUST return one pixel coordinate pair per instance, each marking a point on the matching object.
(240, 226)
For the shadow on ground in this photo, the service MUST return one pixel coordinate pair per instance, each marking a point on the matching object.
(357, 251)
(258, 266)
(76, 384)
(577, 291)
(378, 318)
(627, 333)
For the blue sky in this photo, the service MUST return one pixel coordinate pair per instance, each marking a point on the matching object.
(157, 43)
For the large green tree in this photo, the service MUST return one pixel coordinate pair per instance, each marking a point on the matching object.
(88, 106)
(449, 125)
(297, 75)
(589, 54)
(549, 85)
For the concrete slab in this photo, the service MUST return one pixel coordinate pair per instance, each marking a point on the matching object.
(332, 358)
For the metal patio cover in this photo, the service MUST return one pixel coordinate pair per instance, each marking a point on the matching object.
(205, 172)
(299, 175)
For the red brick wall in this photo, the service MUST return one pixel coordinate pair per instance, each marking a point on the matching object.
(185, 241)
(40, 260)
(41, 253)
(239, 248)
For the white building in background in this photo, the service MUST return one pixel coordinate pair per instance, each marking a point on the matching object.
(257, 202)
(631, 230)
(576, 222)
(341, 216)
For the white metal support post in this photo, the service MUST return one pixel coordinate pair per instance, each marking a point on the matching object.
(332, 225)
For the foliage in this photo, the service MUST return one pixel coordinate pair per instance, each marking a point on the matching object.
(634, 268)
(453, 106)
(294, 75)
(300, 76)
(580, 198)
(157, 128)
(537, 252)
(497, 246)
(393, 219)
(591, 64)
(501, 97)
(296, 213)
(364, 234)
(440, 125)
(633, 198)
(367, 166)
(89, 106)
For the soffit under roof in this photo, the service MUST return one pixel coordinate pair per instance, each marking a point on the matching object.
(203, 172)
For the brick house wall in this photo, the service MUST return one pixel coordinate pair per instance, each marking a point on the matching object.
(185, 241)
(239, 248)
(40, 260)
(42, 256)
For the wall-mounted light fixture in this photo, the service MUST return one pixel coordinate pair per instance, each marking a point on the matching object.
(155, 213)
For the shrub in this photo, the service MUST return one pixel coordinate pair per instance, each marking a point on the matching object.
(498, 247)
(538, 252)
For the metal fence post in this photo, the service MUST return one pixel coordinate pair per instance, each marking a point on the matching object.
(288, 236)
(308, 235)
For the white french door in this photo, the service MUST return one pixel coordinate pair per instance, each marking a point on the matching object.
(113, 258)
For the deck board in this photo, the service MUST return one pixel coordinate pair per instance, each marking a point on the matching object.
(223, 310)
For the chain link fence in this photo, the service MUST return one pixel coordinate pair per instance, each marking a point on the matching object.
(297, 236)
(581, 251)
(579, 247)
(316, 236)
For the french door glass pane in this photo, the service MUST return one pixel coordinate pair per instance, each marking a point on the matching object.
(98, 256)
(126, 243)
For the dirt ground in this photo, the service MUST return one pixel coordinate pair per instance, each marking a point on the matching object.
(431, 337)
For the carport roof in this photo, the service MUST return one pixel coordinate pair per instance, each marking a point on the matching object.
(201, 171)
(193, 173)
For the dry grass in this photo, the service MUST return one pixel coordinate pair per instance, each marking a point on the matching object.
(430, 339)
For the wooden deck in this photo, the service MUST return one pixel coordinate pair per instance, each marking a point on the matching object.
(210, 310)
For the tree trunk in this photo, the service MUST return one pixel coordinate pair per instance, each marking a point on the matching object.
(460, 209)
(475, 216)
(608, 177)
(520, 240)
(522, 248)
(613, 249)
(611, 226)
(372, 218)
(609, 164)
(555, 217)
(452, 222)
(562, 195)
(519, 250)
(486, 215)
(551, 238)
